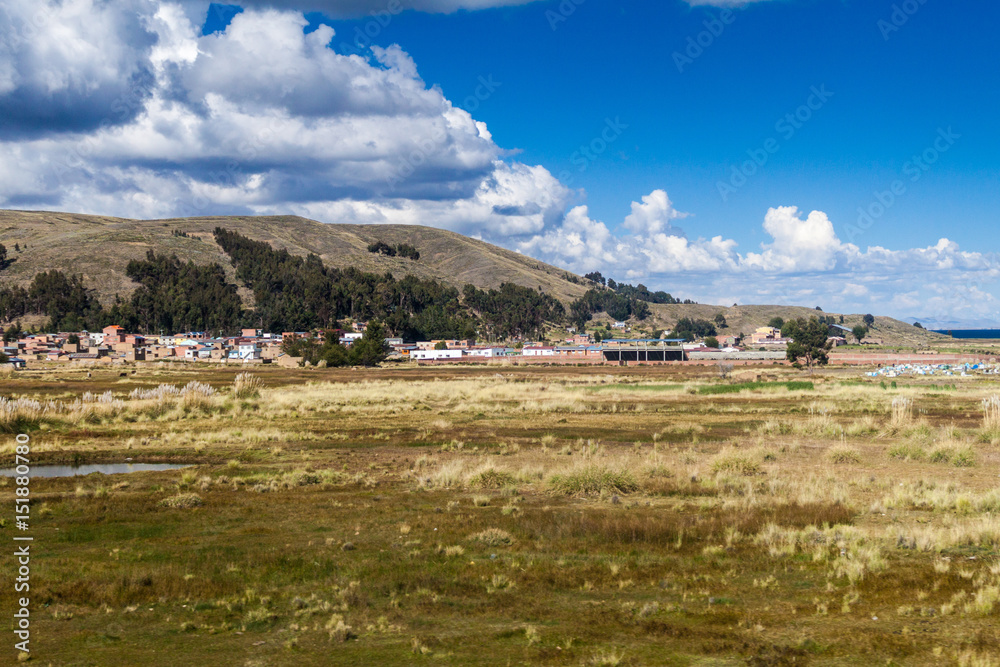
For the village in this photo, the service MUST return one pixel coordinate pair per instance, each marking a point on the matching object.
(252, 346)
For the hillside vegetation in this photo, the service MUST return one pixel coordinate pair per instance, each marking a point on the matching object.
(100, 248)
(746, 319)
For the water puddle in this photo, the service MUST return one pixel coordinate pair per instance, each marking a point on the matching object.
(103, 468)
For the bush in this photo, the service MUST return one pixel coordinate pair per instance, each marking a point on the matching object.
(491, 478)
(906, 451)
(247, 385)
(493, 537)
(594, 479)
(843, 454)
(736, 461)
(183, 501)
(964, 458)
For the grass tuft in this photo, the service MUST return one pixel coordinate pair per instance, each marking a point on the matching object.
(493, 537)
(183, 501)
(594, 479)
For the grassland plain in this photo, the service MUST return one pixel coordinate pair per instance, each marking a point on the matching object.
(508, 515)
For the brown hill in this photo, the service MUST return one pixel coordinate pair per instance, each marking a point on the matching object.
(100, 248)
(746, 319)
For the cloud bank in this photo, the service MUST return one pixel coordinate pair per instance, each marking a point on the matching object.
(803, 263)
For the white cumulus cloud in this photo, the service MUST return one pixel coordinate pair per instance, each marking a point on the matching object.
(260, 118)
(803, 263)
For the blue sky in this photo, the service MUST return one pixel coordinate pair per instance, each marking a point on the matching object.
(725, 153)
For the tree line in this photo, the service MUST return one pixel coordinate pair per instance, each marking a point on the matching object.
(289, 292)
(639, 291)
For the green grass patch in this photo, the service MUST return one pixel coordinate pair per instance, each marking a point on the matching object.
(793, 385)
(907, 451)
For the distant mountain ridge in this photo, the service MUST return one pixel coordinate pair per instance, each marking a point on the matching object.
(946, 324)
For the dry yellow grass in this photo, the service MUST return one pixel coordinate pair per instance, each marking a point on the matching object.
(628, 506)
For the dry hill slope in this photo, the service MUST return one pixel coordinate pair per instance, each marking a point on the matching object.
(100, 248)
(745, 319)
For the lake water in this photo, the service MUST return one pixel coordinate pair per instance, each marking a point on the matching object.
(103, 468)
(972, 333)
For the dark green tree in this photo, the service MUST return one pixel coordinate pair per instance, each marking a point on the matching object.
(810, 343)
(12, 333)
(371, 349)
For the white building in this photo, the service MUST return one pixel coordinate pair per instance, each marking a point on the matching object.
(435, 355)
(349, 338)
(490, 352)
(247, 351)
(539, 351)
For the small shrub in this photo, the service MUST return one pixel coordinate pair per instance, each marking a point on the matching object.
(491, 478)
(247, 385)
(741, 462)
(493, 537)
(906, 451)
(594, 479)
(499, 583)
(183, 501)
(339, 630)
(940, 455)
(843, 454)
(902, 411)
(964, 458)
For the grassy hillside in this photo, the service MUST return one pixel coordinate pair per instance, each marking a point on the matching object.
(100, 248)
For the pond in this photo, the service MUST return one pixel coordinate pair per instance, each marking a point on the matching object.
(103, 468)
